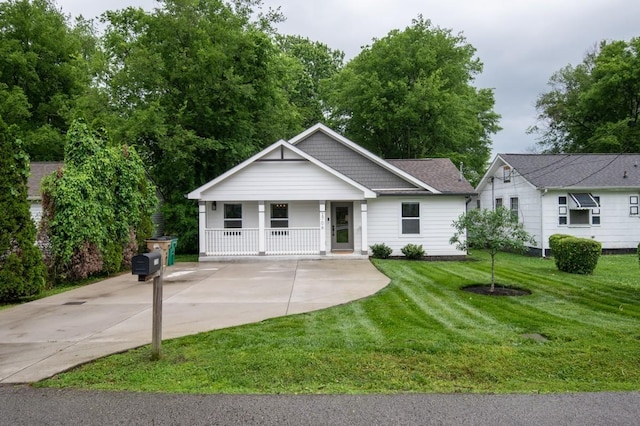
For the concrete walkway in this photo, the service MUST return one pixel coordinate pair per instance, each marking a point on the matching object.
(48, 336)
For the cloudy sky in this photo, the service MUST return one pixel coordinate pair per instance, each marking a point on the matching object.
(521, 42)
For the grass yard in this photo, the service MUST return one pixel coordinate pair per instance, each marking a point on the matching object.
(420, 334)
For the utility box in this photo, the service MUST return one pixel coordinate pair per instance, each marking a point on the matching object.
(146, 264)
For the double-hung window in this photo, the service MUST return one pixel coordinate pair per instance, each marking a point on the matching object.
(232, 216)
(410, 218)
(280, 215)
(514, 208)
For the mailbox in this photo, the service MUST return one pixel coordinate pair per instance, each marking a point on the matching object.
(146, 264)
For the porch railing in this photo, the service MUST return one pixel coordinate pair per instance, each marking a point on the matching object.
(231, 242)
(292, 241)
(277, 241)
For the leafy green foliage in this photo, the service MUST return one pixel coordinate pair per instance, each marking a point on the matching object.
(43, 69)
(594, 106)
(22, 272)
(96, 207)
(196, 86)
(409, 95)
(493, 230)
(311, 64)
(575, 255)
(413, 251)
(381, 250)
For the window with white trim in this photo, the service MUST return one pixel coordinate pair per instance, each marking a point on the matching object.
(514, 208)
(280, 215)
(498, 202)
(506, 174)
(563, 210)
(410, 218)
(232, 216)
(595, 212)
(633, 205)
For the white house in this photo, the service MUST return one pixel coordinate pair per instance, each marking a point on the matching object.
(38, 170)
(320, 194)
(585, 195)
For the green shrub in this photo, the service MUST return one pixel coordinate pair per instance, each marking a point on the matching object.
(555, 239)
(381, 251)
(413, 252)
(638, 252)
(576, 255)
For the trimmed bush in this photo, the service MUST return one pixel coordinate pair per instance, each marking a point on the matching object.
(381, 251)
(413, 252)
(575, 255)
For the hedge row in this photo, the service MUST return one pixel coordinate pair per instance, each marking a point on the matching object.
(575, 255)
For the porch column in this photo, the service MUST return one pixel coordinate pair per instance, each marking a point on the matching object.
(365, 228)
(261, 242)
(202, 225)
(323, 234)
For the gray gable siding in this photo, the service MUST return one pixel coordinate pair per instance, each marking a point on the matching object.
(350, 163)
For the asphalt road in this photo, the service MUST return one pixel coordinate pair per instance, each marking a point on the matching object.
(23, 405)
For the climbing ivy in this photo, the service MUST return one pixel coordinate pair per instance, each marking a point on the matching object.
(96, 208)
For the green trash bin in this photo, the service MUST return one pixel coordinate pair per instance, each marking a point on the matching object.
(171, 255)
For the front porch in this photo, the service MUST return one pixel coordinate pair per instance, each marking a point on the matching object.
(309, 229)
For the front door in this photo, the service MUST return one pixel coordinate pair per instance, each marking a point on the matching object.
(342, 226)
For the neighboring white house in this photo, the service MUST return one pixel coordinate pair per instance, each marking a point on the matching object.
(586, 195)
(38, 170)
(321, 194)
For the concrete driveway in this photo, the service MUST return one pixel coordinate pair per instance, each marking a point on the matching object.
(48, 336)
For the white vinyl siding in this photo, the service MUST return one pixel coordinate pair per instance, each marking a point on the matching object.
(283, 180)
(436, 216)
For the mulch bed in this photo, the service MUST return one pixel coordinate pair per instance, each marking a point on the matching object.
(485, 290)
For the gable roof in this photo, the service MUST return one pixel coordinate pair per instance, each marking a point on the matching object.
(358, 163)
(576, 170)
(441, 173)
(39, 169)
(197, 193)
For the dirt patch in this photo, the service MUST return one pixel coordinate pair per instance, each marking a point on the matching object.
(499, 290)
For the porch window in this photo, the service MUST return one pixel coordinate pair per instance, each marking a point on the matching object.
(280, 215)
(410, 218)
(233, 216)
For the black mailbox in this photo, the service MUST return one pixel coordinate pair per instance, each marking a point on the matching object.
(146, 263)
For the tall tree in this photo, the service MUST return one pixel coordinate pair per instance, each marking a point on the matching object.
(409, 95)
(312, 63)
(595, 105)
(22, 272)
(43, 62)
(196, 85)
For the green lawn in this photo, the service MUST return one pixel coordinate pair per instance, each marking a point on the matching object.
(420, 334)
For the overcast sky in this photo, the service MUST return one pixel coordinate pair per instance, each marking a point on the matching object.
(521, 42)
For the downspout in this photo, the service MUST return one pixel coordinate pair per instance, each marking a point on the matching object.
(542, 194)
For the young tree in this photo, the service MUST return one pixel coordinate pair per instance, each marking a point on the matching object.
(410, 95)
(22, 272)
(492, 230)
(594, 106)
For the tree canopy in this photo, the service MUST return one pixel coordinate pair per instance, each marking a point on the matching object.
(410, 95)
(43, 69)
(595, 105)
